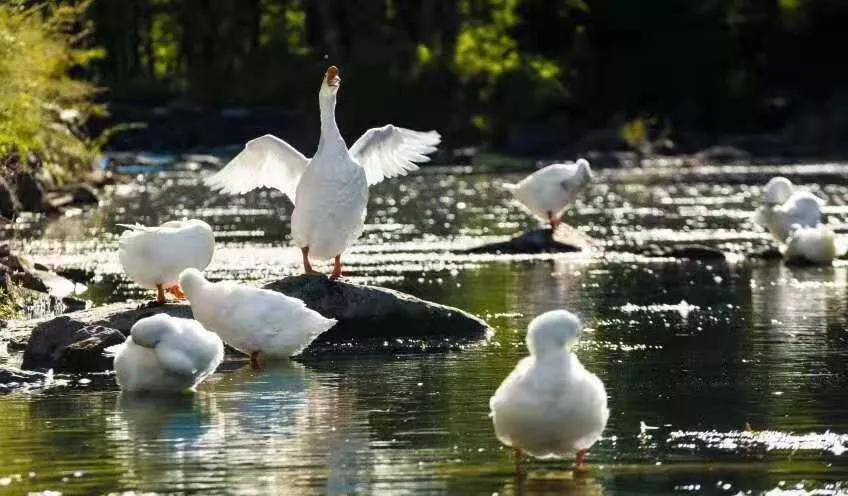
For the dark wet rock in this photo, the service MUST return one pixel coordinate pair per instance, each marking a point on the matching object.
(369, 318)
(65, 347)
(369, 315)
(723, 155)
(83, 194)
(769, 253)
(73, 304)
(9, 204)
(689, 252)
(536, 241)
(12, 379)
(612, 159)
(18, 271)
(45, 339)
(76, 274)
(87, 354)
(30, 192)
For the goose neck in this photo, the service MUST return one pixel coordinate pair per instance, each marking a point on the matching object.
(329, 130)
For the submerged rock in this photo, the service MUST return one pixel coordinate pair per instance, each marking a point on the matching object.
(12, 379)
(372, 317)
(769, 253)
(536, 241)
(689, 252)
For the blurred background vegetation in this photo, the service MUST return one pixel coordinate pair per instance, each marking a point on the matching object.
(526, 77)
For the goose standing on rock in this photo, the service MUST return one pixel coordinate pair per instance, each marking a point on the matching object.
(549, 190)
(165, 353)
(330, 190)
(252, 320)
(549, 405)
(154, 257)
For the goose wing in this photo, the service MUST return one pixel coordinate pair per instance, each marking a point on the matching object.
(265, 161)
(391, 151)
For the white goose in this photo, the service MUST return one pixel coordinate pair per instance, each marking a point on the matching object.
(252, 320)
(549, 190)
(786, 207)
(549, 405)
(165, 353)
(153, 257)
(794, 219)
(330, 190)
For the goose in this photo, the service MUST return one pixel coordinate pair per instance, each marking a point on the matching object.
(252, 320)
(785, 207)
(817, 245)
(550, 189)
(550, 406)
(165, 353)
(153, 257)
(330, 190)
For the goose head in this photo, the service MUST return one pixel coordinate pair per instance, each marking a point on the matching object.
(778, 190)
(330, 84)
(584, 172)
(191, 282)
(552, 332)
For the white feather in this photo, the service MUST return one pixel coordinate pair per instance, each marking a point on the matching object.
(550, 405)
(330, 190)
(165, 353)
(390, 151)
(816, 245)
(552, 188)
(266, 161)
(156, 255)
(252, 319)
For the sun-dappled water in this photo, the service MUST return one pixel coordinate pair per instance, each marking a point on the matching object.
(723, 378)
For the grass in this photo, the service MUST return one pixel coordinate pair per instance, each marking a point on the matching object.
(43, 108)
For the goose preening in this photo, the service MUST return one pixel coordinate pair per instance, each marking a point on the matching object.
(786, 208)
(154, 257)
(549, 190)
(252, 320)
(330, 190)
(550, 406)
(165, 353)
(817, 245)
(794, 219)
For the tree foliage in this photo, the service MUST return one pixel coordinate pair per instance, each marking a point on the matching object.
(42, 106)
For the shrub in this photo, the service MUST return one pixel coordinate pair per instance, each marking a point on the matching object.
(43, 108)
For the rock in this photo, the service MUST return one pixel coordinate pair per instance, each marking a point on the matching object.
(769, 253)
(536, 241)
(76, 274)
(723, 155)
(87, 354)
(73, 304)
(372, 317)
(369, 318)
(9, 204)
(30, 192)
(48, 338)
(83, 194)
(12, 378)
(691, 252)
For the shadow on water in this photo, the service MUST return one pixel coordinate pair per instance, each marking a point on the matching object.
(741, 367)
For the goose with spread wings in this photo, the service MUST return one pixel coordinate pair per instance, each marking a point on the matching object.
(330, 190)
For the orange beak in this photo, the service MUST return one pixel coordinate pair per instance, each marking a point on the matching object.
(333, 76)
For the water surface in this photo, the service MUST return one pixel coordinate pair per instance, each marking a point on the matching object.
(723, 378)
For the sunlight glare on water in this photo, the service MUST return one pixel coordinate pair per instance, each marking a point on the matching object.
(742, 367)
